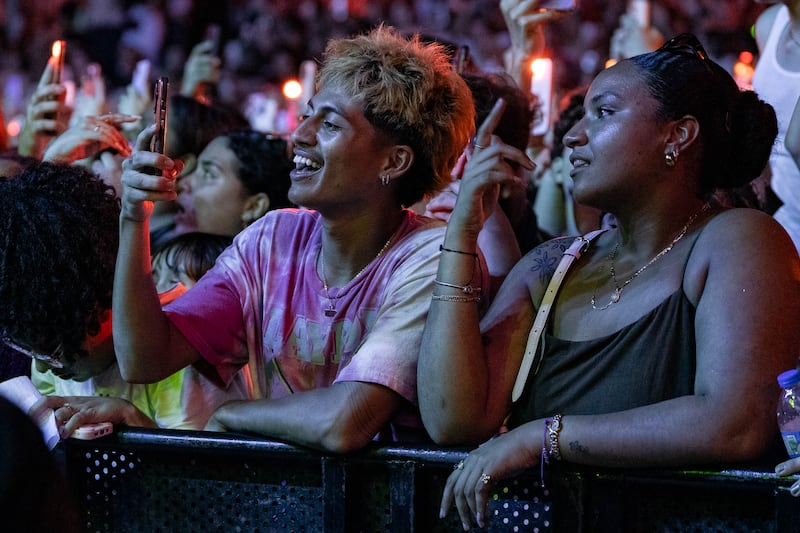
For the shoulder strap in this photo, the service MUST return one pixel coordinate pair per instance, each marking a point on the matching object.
(579, 245)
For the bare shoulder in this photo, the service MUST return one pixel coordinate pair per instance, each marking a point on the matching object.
(744, 231)
(740, 244)
(538, 265)
(530, 275)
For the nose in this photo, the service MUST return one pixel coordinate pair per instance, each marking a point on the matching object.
(575, 136)
(305, 132)
(185, 184)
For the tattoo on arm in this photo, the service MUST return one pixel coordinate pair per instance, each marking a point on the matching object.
(545, 258)
(575, 446)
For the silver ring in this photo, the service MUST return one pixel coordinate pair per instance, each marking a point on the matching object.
(460, 465)
(485, 478)
(476, 145)
(66, 405)
(97, 127)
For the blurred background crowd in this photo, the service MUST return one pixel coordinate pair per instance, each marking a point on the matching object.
(263, 43)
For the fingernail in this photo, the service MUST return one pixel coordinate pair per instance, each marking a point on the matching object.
(441, 513)
(795, 490)
(479, 519)
(780, 468)
(465, 526)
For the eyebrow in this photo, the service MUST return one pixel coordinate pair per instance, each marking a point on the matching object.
(607, 94)
(206, 163)
(327, 108)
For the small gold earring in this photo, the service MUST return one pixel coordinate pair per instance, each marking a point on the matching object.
(384, 179)
(670, 158)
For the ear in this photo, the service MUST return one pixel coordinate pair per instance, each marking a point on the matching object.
(399, 160)
(682, 134)
(254, 208)
(189, 162)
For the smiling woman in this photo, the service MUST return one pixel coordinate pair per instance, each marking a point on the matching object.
(324, 305)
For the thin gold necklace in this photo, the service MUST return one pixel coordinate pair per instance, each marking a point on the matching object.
(331, 310)
(616, 294)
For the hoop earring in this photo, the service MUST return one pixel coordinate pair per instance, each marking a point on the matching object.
(384, 179)
(670, 158)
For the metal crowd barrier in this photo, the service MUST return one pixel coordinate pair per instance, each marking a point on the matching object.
(141, 480)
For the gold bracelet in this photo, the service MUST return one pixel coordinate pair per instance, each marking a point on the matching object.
(455, 298)
(553, 429)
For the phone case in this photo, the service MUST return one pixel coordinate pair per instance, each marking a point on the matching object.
(93, 431)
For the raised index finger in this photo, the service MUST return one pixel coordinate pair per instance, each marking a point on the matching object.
(484, 136)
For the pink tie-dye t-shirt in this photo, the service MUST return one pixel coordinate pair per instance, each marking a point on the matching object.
(264, 303)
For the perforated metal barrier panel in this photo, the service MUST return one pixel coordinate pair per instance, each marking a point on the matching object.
(139, 480)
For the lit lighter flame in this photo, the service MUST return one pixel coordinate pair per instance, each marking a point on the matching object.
(610, 63)
(292, 89)
(56, 49)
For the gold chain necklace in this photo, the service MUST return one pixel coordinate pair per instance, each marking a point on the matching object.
(331, 310)
(616, 294)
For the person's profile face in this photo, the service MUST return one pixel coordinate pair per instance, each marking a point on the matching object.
(618, 141)
(338, 154)
(94, 356)
(218, 196)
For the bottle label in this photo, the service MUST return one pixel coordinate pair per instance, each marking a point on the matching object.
(791, 439)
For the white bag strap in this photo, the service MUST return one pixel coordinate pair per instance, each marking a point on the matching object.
(572, 253)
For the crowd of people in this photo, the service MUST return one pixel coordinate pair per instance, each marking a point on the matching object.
(379, 274)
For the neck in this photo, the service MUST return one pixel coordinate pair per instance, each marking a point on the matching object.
(348, 248)
(650, 230)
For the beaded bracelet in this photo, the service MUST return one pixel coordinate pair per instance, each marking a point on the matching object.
(471, 254)
(550, 445)
(455, 298)
(553, 426)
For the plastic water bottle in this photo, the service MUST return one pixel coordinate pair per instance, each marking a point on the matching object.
(789, 411)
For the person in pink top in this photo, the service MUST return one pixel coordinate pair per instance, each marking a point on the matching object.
(325, 304)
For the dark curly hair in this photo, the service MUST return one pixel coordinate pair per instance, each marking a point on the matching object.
(264, 165)
(58, 246)
(736, 128)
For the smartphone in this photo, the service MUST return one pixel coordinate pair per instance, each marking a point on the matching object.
(160, 96)
(558, 5)
(57, 52)
(93, 431)
(141, 77)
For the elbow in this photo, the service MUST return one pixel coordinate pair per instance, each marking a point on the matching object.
(131, 372)
(744, 443)
(449, 433)
(337, 441)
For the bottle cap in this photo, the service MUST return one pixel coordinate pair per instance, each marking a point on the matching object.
(789, 378)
